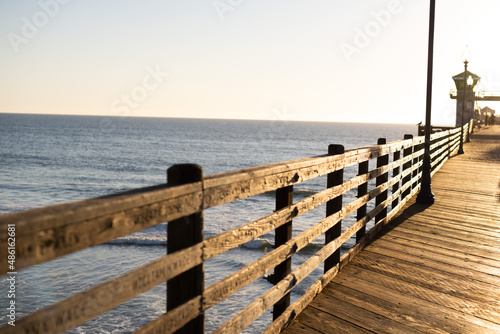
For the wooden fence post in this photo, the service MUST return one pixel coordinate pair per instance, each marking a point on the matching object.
(406, 152)
(382, 161)
(395, 173)
(362, 190)
(421, 158)
(432, 142)
(468, 132)
(449, 143)
(284, 198)
(182, 233)
(333, 206)
(414, 183)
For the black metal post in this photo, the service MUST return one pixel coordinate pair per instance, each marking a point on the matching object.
(461, 149)
(425, 196)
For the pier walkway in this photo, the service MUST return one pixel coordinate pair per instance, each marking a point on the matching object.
(432, 269)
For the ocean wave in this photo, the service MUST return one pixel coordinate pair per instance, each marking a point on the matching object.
(257, 244)
(6, 209)
(263, 244)
(296, 192)
(140, 241)
(162, 241)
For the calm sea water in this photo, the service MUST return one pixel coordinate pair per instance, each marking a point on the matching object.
(46, 160)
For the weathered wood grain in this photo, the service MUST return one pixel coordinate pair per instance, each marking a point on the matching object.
(231, 186)
(358, 315)
(173, 320)
(447, 313)
(320, 321)
(442, 263)
(83, 306)
(253, 311)
(436, 280)
(47, 233)
(377, 305)
(291, 312)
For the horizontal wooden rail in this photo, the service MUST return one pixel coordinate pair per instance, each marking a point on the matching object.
(58, 230)
(86, 305)
(47, 233)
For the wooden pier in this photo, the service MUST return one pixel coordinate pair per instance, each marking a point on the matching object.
(432, 269)
(425, 269)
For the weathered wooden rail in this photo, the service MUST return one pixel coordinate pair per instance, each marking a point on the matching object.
(48, 233)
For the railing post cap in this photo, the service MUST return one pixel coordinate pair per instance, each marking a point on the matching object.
(184, 173)
(336, 149)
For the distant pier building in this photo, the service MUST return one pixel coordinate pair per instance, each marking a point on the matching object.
(486, 116)
(470, 96)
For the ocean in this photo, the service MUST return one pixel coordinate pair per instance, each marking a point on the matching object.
(50, 159)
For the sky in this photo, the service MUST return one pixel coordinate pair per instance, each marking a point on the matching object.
(308, 60)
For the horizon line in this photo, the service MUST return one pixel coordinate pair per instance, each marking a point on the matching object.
(205, 118)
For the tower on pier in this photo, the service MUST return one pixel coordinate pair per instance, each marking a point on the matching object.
(470, 96)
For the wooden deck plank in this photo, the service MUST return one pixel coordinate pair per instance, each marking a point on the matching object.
(361, 317)
(450, 228)
(454, 268)
(446, 310)
(432, 279)
(380, 306)
(485, 251)
(438, 250)
(448, 221)
(421, 254)
(322, 322)
(489, 244)
(302, 328)
(476, 222)
(433, 269)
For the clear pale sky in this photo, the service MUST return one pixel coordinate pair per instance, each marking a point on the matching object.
(361, 61)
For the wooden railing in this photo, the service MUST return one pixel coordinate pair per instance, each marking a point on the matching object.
(51, 232)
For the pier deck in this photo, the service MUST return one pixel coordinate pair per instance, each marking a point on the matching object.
(432, 269)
